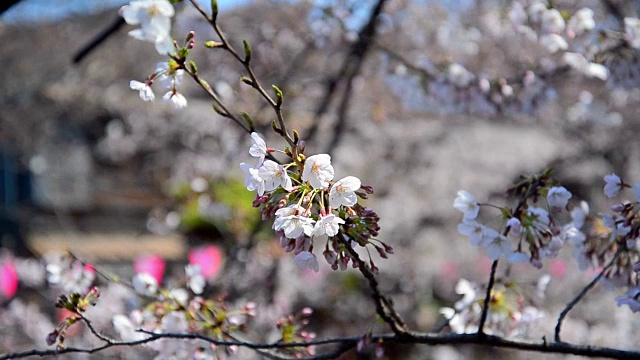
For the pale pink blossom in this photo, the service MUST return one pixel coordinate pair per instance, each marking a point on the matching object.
(467, 204)
(343, 192)
(305, 260)
(274, 175)
(144, 90)
(259, 148)
(318, 171)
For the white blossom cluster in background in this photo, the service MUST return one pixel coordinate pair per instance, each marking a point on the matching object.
(531, 234)
(509, 313)
(563, 38)
(309, 207)
(537, 233)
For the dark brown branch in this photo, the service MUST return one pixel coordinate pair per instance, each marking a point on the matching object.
(579, 297)
(384, 307)
(346, 343)
(487, 298)
(350, 66)
(98, 40)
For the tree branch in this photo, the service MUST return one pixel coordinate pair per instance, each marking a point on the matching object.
(346, 343)
(580, 296)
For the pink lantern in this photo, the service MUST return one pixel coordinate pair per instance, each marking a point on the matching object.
(151, 264)
(209, 258)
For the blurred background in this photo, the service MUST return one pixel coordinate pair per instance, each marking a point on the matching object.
(89, 168)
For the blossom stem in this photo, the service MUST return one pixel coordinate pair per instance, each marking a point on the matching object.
(275, 104)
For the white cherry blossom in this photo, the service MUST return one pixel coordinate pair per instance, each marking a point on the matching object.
(259, 148)
(327, 226)
(552, 21)
(581, 64)
(632, 31)
(252, 179)
(296, 225)
(195, 280)
(343, 192)
(154, 18)
(497, 245)
(176, 99)
(283, 213)
(582, 21)
(553, 43)
(305, 260)
(613, 185)
(274, 175)
(467, 204)
(145, 284)
(144, 90)
(474, 230)
(558, 196)
(318, 171)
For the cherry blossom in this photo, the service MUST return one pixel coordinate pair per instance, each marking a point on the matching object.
(283, 213)
(296, 225)
(145, 284)
(552, 21)
(274, 175)
(154, 18)
(327, 225)
(144, 90)
(613, 185)
(467, 204)
(632, 31)
(343, 192)
(581, 64)
(514, 225)
(318, 171)
(176, 99)
(558, 197)
(305, 260)
(252, 180)
(474, 230)
(582, 21)
(195, 280)
(553, 43)
(497, 245)
(259, 148)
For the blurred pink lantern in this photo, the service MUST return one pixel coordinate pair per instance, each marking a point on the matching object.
(151, 264)
(8, 280)
(209, 258)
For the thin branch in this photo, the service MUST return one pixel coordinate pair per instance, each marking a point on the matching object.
(384, 308)
(349, 342)
(98, 40)
(350, 66)
(580, 296)
(487, 299)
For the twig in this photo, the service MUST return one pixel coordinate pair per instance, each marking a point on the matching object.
(580, 296)
(487, 299)
(384, 308)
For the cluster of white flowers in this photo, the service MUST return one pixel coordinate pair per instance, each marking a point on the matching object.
(534, 228)
(549, 22)
(506, 314)
(154, 18)
(71, 275)
(169, 78)
(308, 205)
